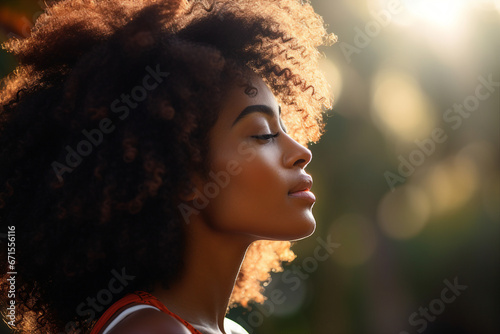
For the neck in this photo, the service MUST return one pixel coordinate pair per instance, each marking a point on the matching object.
(211, 265)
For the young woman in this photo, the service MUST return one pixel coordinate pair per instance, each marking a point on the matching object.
(153, 161)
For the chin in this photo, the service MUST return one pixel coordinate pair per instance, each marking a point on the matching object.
(307, 232)
(303, 228)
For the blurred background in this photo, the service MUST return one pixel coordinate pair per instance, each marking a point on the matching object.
(406, 176)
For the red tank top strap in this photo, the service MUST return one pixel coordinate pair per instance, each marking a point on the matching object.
(140, 297)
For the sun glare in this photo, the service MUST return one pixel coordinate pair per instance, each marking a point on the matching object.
(445, 13)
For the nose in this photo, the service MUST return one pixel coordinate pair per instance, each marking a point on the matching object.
(295, 154)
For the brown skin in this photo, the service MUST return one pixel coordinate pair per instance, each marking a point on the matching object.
(219, 235)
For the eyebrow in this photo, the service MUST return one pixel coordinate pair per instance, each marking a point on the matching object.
(259, 108)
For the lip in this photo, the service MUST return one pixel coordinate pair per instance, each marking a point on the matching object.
(304, 183)
(304, 194)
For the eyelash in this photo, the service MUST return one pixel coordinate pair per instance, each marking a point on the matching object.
(267, 137)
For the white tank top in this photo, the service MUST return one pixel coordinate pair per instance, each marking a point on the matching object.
(230, 326)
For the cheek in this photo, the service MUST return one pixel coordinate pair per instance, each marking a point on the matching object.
(254, 201)
(251, 200)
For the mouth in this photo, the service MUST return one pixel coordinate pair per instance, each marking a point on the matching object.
(298, 191)
(303, 194)
(304, 183)
(302, 189)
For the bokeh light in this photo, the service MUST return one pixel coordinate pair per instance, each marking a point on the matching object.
(450, 184)
(404, 212)
(440, 222)
(400, 107)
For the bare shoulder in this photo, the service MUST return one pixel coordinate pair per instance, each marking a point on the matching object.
(149, 321)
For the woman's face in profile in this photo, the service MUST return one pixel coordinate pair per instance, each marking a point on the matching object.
(251, 178)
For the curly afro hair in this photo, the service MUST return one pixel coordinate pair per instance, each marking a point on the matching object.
(106, 119)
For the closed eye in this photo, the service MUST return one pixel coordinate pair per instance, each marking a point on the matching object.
(267, 136)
